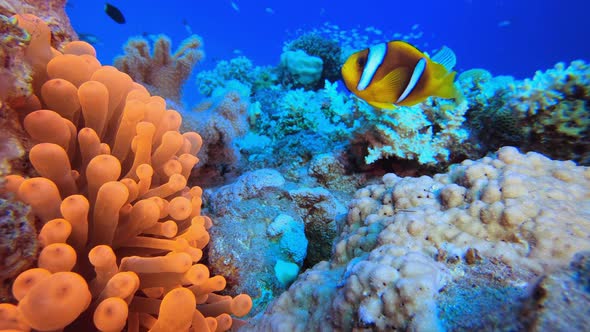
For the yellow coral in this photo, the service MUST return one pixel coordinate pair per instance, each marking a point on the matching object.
(112, 187)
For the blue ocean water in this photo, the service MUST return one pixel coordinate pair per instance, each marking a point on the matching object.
(506, 37)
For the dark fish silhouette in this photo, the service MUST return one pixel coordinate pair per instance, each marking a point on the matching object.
(114, 13)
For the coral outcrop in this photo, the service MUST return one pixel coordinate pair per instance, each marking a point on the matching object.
(220, 121)
(487, 228)
(160, 71)
(18, 243)
(327, 50)
(50, 11)
(549, 113)
(121, 234)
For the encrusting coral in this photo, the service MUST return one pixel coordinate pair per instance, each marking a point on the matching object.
(161, 72)
(122, 234)
(408, 241)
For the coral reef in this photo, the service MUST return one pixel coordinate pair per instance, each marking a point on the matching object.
(427, 133)
(220, 121)
(508, 218)
(237, 69)
(102, 227)
(16, 89)
(18, 243)
(121, 234)
(161, 72)
(549, 113)
(52, 12)
(555, 305)
(291, 226)
(316, 45)
(15, 74)
(299, 69)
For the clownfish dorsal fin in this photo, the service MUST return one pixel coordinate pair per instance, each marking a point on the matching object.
(446, 57)
(416, 75)
(391, 85)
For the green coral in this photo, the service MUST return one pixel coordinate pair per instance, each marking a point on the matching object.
(549, 113)
(571, 118)
(324, 48)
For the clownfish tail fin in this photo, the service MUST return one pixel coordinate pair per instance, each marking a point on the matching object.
(446, 57)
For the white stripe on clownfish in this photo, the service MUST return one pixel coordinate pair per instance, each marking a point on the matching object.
(375, 58)
(416, 74)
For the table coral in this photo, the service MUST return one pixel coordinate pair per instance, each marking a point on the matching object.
(409, 241)
(161, 72)
(122, 235)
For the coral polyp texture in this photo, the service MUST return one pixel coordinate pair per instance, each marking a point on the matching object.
(161, 72)
(549, 113)
(121, 234)
(416, 251)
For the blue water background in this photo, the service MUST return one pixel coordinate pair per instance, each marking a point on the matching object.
(506, 37)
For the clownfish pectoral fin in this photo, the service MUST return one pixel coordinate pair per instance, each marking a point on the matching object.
(385, 106)
(391, 85)
(447, 87)
(446, 57)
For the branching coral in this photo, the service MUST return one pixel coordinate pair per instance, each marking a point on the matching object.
(161, 72)
(427, 132)
(122, 234)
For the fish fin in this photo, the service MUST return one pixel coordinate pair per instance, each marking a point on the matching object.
(385, 106)
(446, 57)
(447, 87)
(390, 87)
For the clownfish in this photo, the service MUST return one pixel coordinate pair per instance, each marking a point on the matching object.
(398, 74)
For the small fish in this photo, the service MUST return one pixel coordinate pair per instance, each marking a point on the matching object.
(89, 38)
(503, 24)
(235, 6)
(187, 27)
(114, 13)
(269, 10)
(398, 74)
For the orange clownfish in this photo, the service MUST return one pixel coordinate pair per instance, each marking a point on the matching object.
(396, 73)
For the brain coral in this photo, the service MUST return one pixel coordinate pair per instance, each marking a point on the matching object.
(408, 240)
(122, 234)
